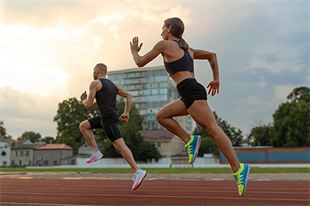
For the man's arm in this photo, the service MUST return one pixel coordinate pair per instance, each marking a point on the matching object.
(88, 102)
(128, 100)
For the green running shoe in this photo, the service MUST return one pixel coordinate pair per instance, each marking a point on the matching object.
(242, 177)
(193, 147)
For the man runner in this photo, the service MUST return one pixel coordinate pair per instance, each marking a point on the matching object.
(105, 92)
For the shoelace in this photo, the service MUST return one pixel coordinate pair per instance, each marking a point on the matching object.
(239, 179)
(189, 148)
(134, 177)
(91, 155)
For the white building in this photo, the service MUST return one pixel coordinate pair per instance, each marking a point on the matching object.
(5, 152)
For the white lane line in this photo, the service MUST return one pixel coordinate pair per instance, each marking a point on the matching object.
(160, 196)
(148, 190)
(50, 204)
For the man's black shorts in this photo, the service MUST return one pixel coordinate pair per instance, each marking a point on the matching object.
(110, 129)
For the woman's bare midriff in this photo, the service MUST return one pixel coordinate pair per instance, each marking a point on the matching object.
(180, 76)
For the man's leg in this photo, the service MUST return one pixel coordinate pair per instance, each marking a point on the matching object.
(115, 136)
(88, 133)
(86, 129)
(120, 145)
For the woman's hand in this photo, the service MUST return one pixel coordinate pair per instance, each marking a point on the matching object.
(134, 45)
(214, 87)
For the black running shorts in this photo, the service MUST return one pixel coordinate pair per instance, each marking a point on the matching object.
(190, 90)
(111, 129)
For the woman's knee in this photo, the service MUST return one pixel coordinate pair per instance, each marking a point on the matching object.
(212, 130)
(159, 116)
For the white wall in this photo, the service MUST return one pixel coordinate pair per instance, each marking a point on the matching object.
(7, 157)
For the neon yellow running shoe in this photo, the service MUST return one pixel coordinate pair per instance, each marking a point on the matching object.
(193, 147)
(242, 177)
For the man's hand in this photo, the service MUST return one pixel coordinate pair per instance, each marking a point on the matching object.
(214, 87)
(124, 117)
(83, 96)
(134, 45)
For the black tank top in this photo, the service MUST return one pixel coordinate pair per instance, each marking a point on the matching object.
(186, 63)
(106, 99)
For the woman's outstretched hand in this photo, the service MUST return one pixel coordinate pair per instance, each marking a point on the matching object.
(214, 87)
(134, 45)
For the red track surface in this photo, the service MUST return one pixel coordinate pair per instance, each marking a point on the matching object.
(69, 192)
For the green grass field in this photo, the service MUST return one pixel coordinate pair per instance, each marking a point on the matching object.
(161, 170)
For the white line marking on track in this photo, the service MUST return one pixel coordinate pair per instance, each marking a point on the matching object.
(50, 204)
(160, 196)
(148, 190)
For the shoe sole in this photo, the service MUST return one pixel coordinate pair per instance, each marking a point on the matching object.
(95, 160)
(246, 180)
(197, 149)
(141, 181)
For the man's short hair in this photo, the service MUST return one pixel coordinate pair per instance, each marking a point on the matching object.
(102, 68)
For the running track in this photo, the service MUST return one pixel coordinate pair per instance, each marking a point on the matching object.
(90, 192)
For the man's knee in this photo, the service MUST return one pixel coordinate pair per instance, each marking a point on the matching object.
(119, 144)
(84, 125)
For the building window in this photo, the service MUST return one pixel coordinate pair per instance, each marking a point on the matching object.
(46, 162)
(73, 162)
(55, 162)
(3, 153)
(27, 153)
(29, 163)
(20, 163)
(4, 163)
(158, 144)
(16, 153)
(21, 153)
(12, 162)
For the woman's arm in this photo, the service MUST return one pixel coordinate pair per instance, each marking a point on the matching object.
(143, 60)
(211, 57)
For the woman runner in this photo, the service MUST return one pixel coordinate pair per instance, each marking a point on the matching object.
(178, 59)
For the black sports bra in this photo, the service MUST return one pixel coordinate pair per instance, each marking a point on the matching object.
(184, 64)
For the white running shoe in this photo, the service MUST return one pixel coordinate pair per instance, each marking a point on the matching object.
(94, 156)
(138, 177)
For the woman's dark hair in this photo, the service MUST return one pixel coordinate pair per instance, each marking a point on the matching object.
(177, 29)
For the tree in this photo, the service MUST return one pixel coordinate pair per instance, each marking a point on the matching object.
(300, 93)
(149, 152)
(291, 123)
(2, 130)
(207, 143)
(47, 139)
(32, 136)
(261, 135)
(70, 114)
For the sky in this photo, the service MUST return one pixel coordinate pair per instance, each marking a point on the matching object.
(48, 50)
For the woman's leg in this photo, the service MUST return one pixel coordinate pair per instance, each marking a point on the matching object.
(202, 114)
(164, 117)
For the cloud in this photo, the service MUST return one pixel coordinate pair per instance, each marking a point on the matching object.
(28, 112)
(50, 48)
